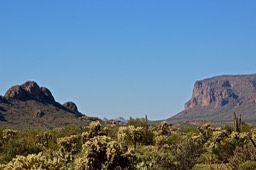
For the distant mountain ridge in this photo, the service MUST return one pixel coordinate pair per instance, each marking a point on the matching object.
(216, 98)
(119, 119)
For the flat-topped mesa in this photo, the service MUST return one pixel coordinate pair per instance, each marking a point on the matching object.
(223, 91)
(30, 91)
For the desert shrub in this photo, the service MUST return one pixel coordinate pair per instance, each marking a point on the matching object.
(142, 122)
(130, 134)
(36, 162)
(211, 167)
(181, 156)
(186, 155)
(151, 157)
(102, 152)
(93, 129)
(161, 140)
(42, 140)
(246, 127)
(21, 144)
(242, 154)
(201, 167)
(163, 128)
(8, 134)
(65, 131)
(248, 165)
(19, 147)
(69, 144)
(147, 134)
(111, 131)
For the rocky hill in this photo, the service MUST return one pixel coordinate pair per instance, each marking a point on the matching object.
(29, 106)
(215, 99)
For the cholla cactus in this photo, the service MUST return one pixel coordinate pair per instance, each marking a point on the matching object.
(215, 140)
(161, 140)
(94, 130)
(205, 132)
(8, 134)
(36, 162)
(130, 134)
(253, 133)
(68, 144)
(42, 140)
(163, 128)
(239, 139)
(115, 155)
(85, 136)
(123, 134)
(95, 152)
(102, 152)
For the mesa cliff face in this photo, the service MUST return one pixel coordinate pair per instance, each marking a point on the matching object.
(217, 97)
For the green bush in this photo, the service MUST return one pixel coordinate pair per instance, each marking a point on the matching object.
(248, 165)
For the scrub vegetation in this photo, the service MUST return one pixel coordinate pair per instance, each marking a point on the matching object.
(135, 145)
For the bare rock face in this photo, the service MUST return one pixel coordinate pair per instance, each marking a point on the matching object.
(30, 91)
(38, 114)
(16, 92)
(223, 91)
(3, 100)
(71, 106)
(217, 98)
(31, 87)
(46, 95)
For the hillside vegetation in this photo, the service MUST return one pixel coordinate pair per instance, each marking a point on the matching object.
(137, 145)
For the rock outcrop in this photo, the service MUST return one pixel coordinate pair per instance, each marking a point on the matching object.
(31, 87)
(223, 91)
(3, 100)
(46, 95)
(71, 105)
(38, 114)
(216, 94)
(222, 95)
(28, 106)
(30, 91)
(16, 92)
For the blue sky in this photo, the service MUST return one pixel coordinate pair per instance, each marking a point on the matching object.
(125, 57)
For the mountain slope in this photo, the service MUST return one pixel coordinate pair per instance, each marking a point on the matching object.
(215, 99)
(29, 106)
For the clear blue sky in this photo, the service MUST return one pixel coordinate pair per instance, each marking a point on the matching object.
(125, 57)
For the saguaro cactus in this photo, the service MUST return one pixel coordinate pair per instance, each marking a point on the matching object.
(237, 123)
